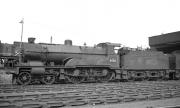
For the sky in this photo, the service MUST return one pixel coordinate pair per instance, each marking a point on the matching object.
(129, 22)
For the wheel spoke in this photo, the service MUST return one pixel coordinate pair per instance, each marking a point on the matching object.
(74, 77)
(24, 78)
(108, 77)
(48, 79)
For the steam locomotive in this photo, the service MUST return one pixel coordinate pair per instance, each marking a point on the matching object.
(52, 63)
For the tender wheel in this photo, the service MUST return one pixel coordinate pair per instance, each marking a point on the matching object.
(24, 78)
(74, 77)
(130, 76)
(48, 79)
(108, 76)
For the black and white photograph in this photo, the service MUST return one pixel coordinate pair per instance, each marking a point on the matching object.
(89, 54)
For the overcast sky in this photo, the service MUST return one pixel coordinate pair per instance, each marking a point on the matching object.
(129, 22)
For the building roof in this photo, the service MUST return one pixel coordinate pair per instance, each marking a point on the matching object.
(165, 42)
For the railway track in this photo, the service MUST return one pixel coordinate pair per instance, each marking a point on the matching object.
(91, 94)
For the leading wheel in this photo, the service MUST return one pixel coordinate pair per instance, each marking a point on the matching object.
(24, 78)
(48, 79)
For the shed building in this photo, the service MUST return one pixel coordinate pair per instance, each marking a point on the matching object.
(165, 42)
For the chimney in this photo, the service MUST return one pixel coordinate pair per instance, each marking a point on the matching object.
(31, 40)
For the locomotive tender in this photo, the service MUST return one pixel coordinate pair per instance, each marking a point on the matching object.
(50, 63)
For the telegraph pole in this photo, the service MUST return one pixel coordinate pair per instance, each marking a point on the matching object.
(51, 40)
(22, 22)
